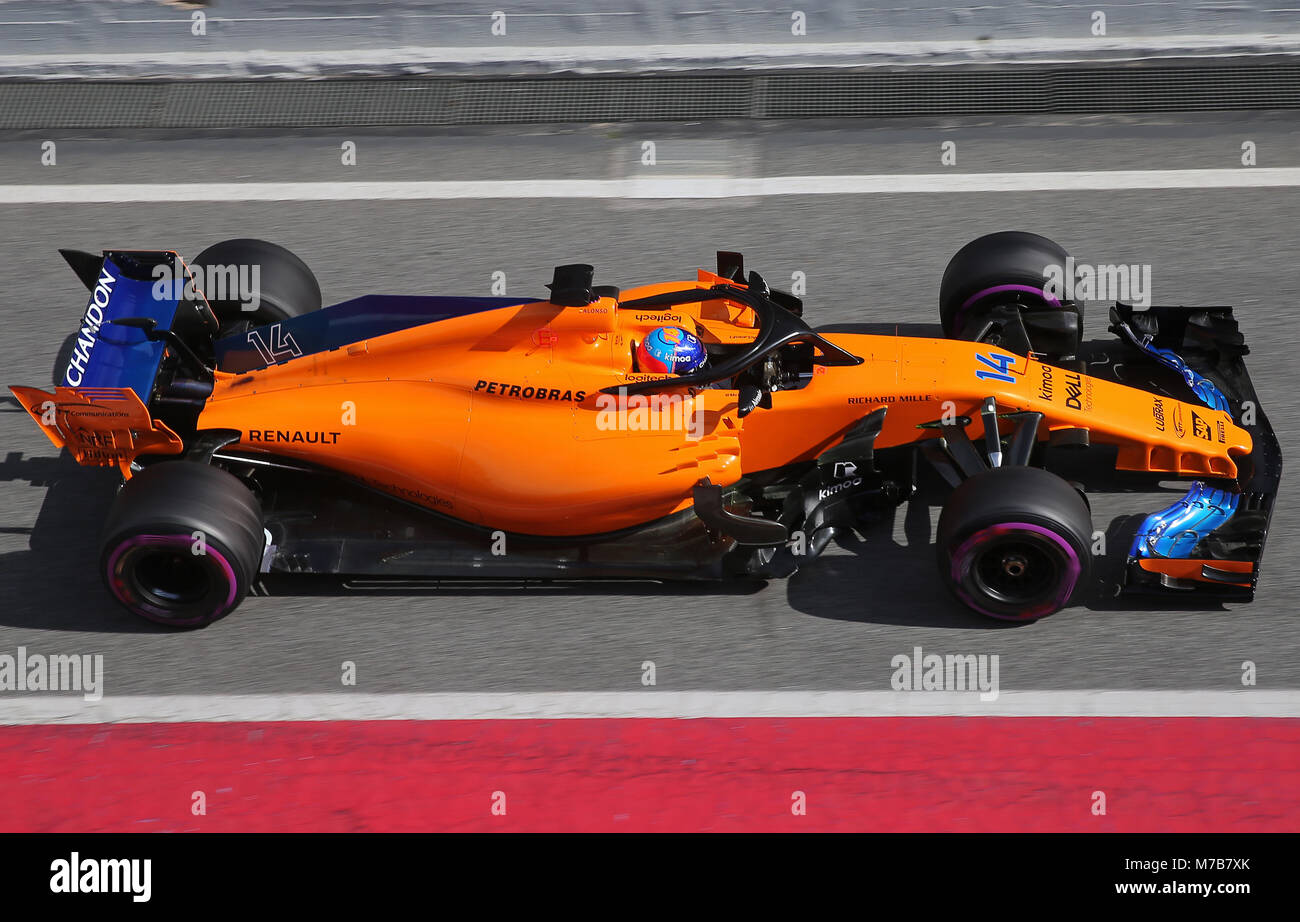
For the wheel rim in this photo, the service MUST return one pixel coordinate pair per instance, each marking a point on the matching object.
(1016, 571)
(160, 578)
(169, 577)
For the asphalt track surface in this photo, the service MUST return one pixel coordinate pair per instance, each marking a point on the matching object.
(872, 258)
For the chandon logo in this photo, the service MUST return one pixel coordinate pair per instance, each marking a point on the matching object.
(90, 324)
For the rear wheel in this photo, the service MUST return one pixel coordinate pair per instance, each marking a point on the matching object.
(1010, 278)
(283, 285)
(1013, 543)
(182, 544)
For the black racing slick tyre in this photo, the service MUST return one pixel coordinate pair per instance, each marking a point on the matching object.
(1014, 543)
(284, 286)
(1016, 269)
(182, 544)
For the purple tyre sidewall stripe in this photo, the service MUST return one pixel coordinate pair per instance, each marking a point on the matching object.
(963, 559)
(997, 290)
(172, 542)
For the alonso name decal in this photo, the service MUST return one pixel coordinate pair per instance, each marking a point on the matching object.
(503, 389)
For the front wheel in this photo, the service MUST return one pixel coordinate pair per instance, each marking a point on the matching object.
(182, 544)
(1013, 543)
(998, 289)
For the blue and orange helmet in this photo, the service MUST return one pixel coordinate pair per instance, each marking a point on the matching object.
(670, 350)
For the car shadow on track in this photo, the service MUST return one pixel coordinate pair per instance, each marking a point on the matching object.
(882, 582)
(55, 585)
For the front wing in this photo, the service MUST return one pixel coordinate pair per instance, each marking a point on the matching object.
(1212, 539)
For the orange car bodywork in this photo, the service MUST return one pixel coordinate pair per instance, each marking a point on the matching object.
(499, 418)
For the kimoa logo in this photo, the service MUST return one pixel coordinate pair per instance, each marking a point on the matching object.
(75, 874)
(91, 321)
(838, 487)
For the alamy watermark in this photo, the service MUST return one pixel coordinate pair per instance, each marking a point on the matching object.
(38, 672)
(922, 671)
(1085, 282)
(235, 282)
(75, 874)
(622, 412)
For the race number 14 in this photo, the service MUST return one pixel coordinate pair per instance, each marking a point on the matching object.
(996, 369)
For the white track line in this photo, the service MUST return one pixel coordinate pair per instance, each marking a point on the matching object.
(687, 187)
(797, 52)
(651, 703)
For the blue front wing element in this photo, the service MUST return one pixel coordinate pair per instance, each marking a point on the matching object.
(1175, 531)
(1201, 386)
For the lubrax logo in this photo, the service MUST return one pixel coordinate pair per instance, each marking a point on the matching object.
(103, 875)
(503, 389)
(293, 435)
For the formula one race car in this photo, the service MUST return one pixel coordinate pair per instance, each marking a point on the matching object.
(427, 437)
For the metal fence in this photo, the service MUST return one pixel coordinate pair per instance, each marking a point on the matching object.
(931, 91)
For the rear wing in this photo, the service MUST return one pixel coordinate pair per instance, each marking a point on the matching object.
(100, 408)
(127, 286)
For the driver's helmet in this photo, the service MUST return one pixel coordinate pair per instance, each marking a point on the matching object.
(670, 350)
